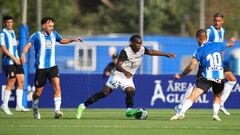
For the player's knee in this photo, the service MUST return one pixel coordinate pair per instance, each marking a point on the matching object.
(106, 91)
(130, 93)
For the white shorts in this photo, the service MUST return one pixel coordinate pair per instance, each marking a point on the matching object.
(114, 81)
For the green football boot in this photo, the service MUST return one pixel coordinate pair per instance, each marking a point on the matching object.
(133, 112)
(80, 110)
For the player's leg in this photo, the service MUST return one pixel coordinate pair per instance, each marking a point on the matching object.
(19, 90)
(53, 76)
(228, 86)
(217, 88)
(11, 78)
(39, 82)
(202, 85)
(94, 98)
(130, 93)
(55, 82)
(187, 93)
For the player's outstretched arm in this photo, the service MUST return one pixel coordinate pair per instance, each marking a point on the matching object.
(70, 40)
(25, 50)
(187, 70)
(158, 53)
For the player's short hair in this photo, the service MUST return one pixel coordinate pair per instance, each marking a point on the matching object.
(5, 18)
(218, 15)
(46, 19)
(201, 33)
(135, 38)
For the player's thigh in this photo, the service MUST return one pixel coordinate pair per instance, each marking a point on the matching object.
(106, 90)
(113, 82)
(195, 94)
(40, 78)
(217, 88)
(127, 84)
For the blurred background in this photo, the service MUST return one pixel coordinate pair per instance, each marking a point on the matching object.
(105, 27)
(167, 25)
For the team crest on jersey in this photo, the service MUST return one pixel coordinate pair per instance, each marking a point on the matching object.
(48, 44)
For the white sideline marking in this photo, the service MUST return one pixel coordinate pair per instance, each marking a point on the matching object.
(118, 127)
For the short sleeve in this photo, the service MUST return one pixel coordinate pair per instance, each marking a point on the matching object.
(196, 55)
(208, 31)
(57, 36)
(122, 56)
(146, 51)
(32, 39)
(2, 39)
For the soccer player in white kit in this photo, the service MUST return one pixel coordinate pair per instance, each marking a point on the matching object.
(44, 42)
(129, 61)
(216, 33)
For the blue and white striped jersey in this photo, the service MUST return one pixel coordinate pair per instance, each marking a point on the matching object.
(215, 35)
(8, 39)
(210, 57)
(44, 46)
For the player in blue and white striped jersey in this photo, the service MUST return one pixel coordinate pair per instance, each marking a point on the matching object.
(44, 42)
(209, 55)
(216, 33)
(12, 66)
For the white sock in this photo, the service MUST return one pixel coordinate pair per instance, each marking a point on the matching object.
(35, 103)
(188, 103)
(57, 102)
(6, 97)
(19, 94)
(216, 108)
(228, 86)
(187, 93)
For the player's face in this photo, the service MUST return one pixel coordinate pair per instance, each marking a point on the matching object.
(48, 27)
(9, 24)
(218, 22)
(136, 45)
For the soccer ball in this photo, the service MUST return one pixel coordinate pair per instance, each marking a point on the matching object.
(143, 115)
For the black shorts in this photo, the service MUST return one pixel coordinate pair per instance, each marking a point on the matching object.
(42, 75)
(12, 70)
(205, 85)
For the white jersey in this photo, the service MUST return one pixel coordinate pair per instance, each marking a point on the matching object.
(132, 61)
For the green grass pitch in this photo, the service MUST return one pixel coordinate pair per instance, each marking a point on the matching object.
(114, 122)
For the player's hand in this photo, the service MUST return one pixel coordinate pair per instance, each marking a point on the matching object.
(171, 55)
(177, 76)
(233, 39)
(128, 74)
(23, 59)
(77, 40)
(16, 61)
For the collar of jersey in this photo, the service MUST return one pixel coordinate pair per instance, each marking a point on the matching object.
(44, 33)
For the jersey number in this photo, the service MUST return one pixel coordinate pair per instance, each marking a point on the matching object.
(215, 59)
